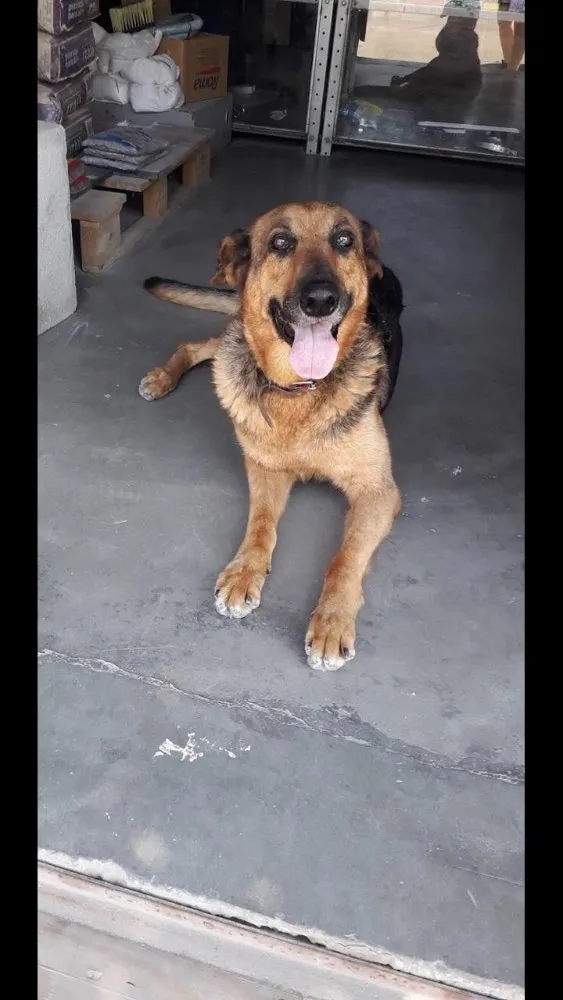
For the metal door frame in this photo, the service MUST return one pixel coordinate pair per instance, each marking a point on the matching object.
(317, 85)
(340, 44)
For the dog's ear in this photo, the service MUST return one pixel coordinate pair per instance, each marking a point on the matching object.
(233, 260)
(372, 245)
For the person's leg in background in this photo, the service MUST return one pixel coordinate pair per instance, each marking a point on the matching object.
(505, 33)
(519, 37)
(511, 34)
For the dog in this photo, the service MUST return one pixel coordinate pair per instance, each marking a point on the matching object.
(456, 68)
(304, 368)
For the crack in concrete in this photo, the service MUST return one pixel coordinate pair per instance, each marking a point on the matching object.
(497, 878)
(341, 719)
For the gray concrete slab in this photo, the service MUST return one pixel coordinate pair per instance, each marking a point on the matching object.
(384, 801)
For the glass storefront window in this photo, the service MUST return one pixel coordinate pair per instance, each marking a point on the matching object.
(447, 79)
(274, 52)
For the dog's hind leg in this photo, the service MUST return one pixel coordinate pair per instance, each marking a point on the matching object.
(238, 589)
(160, 381)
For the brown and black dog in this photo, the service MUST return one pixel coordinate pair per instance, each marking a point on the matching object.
(303, 369)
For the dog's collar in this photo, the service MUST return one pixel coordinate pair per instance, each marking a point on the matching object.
(293, 389)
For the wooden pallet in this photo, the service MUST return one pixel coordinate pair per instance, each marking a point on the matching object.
(98, 211)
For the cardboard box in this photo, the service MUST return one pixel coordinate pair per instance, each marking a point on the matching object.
(203, 62)
(162, 9)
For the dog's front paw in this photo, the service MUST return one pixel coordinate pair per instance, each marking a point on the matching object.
(156, 384)
(330, 639)
(238, 589)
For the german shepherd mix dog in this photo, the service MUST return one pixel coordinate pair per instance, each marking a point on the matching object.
(303, 369)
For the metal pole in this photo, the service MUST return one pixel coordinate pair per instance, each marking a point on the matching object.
(318, 75)
(336, 71)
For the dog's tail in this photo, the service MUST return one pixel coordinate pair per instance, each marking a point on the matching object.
(197, 296)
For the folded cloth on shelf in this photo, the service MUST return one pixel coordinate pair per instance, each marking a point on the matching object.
(130, 139)
(125, 147)
(113, 162)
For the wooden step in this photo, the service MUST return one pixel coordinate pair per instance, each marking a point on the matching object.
(98, 213)
(97, 206)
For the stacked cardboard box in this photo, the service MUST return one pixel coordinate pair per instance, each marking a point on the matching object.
(65, 61)
(204, 65)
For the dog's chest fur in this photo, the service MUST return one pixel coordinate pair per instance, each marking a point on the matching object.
(308, 434)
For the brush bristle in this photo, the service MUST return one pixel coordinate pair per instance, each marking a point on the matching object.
(133, 17)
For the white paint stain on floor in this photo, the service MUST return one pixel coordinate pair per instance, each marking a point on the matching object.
(196, 747)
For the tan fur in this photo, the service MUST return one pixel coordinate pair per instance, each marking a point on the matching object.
(197, 298)
(334, 433)
(164, 379)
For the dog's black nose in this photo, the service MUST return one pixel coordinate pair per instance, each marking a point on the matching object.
(319, 298)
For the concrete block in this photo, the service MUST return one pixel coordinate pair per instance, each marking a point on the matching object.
(55, 266)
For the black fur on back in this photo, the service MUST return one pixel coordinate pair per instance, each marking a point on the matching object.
(385, 306)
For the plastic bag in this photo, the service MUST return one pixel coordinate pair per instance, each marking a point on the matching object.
(181, 26)
(159, 70)
(150, 97)
(141, 45)
(361, 114)
(99, 33)
(109, 87)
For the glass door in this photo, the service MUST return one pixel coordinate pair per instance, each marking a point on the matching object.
(446, 79)
(281, 59)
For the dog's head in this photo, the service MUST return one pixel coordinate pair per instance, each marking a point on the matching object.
(302, 272)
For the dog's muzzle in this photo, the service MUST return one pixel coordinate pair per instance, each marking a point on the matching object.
(308, 321)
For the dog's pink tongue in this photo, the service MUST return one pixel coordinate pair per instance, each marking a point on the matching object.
(313, 352)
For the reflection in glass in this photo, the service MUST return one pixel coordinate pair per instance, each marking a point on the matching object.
(511, 34)
(274, 58)
(448, 82)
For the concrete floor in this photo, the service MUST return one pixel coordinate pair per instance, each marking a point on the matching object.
(382, 806)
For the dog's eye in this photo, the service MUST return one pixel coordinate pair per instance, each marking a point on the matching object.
(282, 244)
(343, 240)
